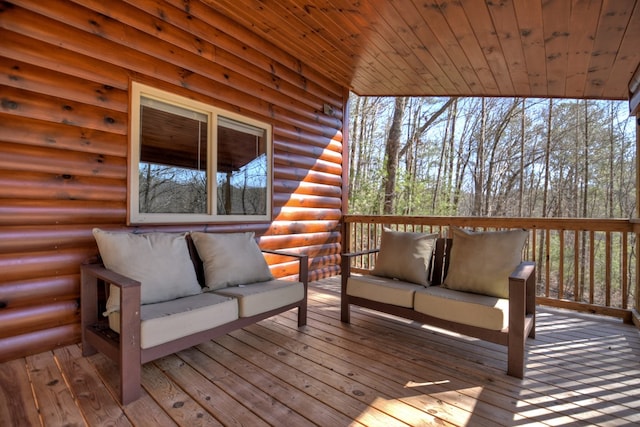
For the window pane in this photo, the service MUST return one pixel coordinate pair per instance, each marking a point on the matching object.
(242, 169)
(173, 159)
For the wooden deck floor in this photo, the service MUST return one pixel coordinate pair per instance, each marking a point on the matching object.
(378, 371)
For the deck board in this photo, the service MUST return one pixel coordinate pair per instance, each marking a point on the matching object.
(376, 371)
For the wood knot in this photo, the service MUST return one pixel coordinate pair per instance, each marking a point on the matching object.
(8, 104)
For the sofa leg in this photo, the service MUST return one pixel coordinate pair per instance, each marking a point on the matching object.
(345, 314)
(515, 363)
(130, 378)
(88, 308)
(302, 314)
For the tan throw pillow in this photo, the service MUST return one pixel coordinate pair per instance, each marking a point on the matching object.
(405, 256)
(159, 261)
(231, 259)
(481, 262)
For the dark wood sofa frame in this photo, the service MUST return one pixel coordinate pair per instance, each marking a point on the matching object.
(124, 348)
(521, 306)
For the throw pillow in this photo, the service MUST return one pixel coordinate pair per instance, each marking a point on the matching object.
(405, 256)
(231, 259)
(159, 261)
(481, 262)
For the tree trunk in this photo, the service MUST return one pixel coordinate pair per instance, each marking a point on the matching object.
(585, 195)
(392, 151)
(610, 181)
(357, 127)
(545, 192)
(522, 141)
(451, 152)
(479, 169)
(441, 165)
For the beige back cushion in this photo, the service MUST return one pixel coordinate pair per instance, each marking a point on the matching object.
(159, 261)
(481, 262)
(231, 259)
(405, 256)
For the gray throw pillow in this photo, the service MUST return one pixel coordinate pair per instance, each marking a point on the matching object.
(481, 262)
(405, 256)
(231, 259)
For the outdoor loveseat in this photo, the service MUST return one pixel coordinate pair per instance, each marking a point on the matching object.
(158, 293)
(473, 284)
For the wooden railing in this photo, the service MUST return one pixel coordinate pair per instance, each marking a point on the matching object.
(582, 264)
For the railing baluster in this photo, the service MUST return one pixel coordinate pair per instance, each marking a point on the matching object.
(592, 258)
(532, 255)
(561, 265)
(607, 269)
(576, 265)
(547, 261)
(623, 276)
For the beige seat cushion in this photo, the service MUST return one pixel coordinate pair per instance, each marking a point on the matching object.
(166, 321)
(481, 262)
(405, 256)
(470, 309)
(257, 298)
(231, 259)
(382, 289)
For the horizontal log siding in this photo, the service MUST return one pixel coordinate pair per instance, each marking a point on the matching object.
(65, 71)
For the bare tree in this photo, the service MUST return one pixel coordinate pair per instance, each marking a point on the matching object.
(392, 152)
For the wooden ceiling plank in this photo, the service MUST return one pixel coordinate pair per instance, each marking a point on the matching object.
(484, 30)
(384, 52)
(459, 26)
(336, 34)
(392, 30)
(529, 16)
(349, 28)
(628, 57)
(441, 42)
(301, 42)
(418, 59)
(614, 19)
(504, 20)
(583, 24)
(426, 46)
(556, 18)
(391, 82)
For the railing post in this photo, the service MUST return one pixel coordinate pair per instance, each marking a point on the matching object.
(636, 307)
(346, 236)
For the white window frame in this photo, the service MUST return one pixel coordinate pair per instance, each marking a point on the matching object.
(134, 216)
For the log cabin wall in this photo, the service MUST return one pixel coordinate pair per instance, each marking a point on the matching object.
(66, 73)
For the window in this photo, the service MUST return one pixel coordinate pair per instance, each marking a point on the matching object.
(191, 162)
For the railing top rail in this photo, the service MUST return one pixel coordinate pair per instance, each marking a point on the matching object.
(579, 224)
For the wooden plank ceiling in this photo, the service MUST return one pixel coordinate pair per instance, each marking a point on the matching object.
(532, 48)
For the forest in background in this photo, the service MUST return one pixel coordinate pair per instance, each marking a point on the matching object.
(491, 157)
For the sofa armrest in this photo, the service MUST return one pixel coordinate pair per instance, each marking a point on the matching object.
(521, 315)
(96, 272)
(345, 262)
(92, 275)
(523, 279)
(303, 260)
(125, 350)
(360, 253)
(345, 273)
(303, 275)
